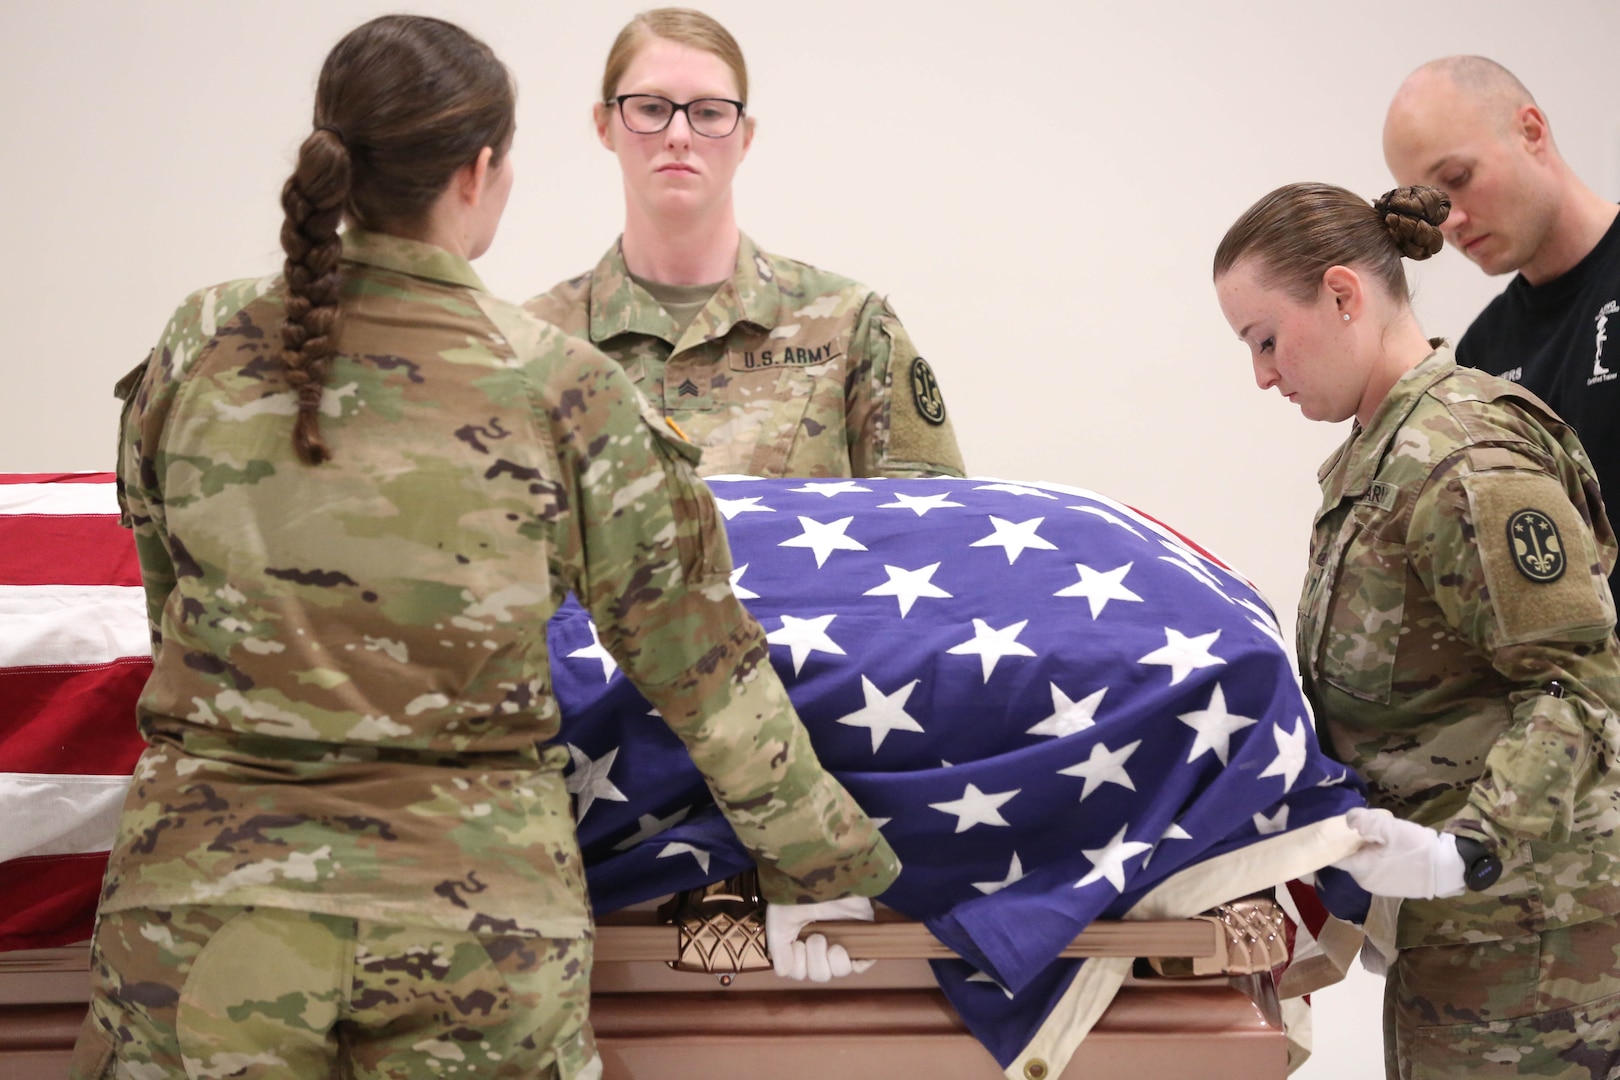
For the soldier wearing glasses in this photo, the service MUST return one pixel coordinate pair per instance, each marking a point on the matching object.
(772, 367)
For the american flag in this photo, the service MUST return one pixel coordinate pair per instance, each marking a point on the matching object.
(1058, 709)
(74, 654)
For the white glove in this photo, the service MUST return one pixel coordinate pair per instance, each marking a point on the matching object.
(1402, 858)
(812, 958)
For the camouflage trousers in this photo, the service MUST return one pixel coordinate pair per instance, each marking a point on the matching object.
(1546, 1006)
(255, 993)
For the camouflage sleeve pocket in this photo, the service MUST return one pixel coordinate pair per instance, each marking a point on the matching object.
(1538, 558)
(699, 535)
(921, 438)
(1366, 601)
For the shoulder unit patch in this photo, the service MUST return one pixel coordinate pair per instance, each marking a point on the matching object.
(925, 392)
(1538, 550)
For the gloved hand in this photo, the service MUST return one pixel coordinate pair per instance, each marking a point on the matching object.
(1402, 858)
(812, 958)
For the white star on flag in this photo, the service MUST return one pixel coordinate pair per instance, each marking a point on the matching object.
(840, 487)
(1068, 716)
(743, 593)
(649, 826)
(1015, 873)
(805, 636)
(1109, 862)
(1014, 537)
(1104, 766)
(919, 504)
(883, 712)
(1174, 832)
(1016, 489)
(824, 539)
(1099, 587)
(682, 848)
(1215, 727)
(749, 505)
(1182, 654)
(589, 780)
(1290, 759)
(595, 651)
(976, 808)
(907, 585)
(991, 645)
(1112, 519)
(1276, 823)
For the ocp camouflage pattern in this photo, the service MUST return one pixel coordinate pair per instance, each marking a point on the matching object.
(1429, 647)
(788, 371)
(1547, 1005)
(350, 704)
(264, 993)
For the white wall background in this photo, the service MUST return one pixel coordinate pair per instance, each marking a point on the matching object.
(1038, 184)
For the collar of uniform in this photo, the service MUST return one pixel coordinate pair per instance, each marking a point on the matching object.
(757, 296)
(620, 306)
(409, 257)
(1352, 468)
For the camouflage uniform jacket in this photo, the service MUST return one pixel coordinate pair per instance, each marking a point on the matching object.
(788, 371)
(350, 700)
(1457, 571)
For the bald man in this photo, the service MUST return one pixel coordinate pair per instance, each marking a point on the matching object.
(1465, 125)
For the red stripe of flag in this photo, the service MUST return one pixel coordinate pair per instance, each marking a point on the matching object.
(57, 478)
(66, 549)
(72, 720)
(47, 901)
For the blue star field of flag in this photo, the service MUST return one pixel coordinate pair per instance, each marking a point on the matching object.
(1050, 703)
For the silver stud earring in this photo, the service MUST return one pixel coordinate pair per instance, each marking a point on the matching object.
(1347, 316)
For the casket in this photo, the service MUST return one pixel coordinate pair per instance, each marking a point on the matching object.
(654, 1023)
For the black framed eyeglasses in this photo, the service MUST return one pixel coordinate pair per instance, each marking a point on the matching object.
(648, 114)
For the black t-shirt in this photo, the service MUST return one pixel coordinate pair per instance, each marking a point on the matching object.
(1561, 341)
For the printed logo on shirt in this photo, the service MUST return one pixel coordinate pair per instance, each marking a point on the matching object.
(1538, 551)
(1601, 373)
(1513, 374)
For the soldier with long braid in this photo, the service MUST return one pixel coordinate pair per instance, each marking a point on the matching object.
(1457, 643)
(358, 493)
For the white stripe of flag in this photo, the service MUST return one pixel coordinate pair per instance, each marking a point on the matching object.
(58, 499)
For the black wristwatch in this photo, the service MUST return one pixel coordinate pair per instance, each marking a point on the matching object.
(1480, 867)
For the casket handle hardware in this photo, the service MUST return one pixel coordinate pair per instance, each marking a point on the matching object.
(719, 928)
(1251, 940)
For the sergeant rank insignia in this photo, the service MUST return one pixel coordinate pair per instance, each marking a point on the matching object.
(925, 392)
(1538, 551)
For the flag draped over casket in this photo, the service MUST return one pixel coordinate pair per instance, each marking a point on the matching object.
(1058, 709)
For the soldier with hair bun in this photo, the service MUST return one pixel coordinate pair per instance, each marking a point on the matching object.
(358, 493)
(773, 367)
(1457, 643)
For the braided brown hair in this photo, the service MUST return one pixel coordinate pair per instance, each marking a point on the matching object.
(1300, 230)
(403, 101)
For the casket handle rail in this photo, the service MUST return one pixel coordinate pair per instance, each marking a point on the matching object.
(720, 930)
